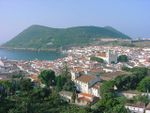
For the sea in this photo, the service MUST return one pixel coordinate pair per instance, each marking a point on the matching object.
(30, 55)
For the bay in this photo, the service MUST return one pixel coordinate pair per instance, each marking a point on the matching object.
(30, 55)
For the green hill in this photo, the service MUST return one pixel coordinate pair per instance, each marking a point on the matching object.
(41, 37)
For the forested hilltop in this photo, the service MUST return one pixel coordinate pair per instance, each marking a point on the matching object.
(41, 37)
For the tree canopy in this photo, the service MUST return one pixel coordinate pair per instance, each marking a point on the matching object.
(33, 100)
(47, 77)
(144, 85)
(97, 59)
(123, 58)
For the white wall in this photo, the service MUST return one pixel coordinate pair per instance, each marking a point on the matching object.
(135, 109)
(147, 111)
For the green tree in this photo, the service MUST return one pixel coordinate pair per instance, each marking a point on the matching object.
(6, 88)
(125, 68)
(93, 58)
(141, 98)
(40, 93)
(123, 58)
(119, 109)
(111, 105)
(26, 84)
(59, 83)
(130, 81)
(65, 71)
(74, 96)
(144, 85)
(69, 86)
(142, 71)
(47, 77)
(107, 90)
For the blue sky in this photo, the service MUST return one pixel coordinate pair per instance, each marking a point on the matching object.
(129, 16)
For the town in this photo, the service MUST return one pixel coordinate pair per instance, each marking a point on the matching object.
(89, 67)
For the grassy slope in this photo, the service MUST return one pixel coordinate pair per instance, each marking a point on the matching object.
(41, 37)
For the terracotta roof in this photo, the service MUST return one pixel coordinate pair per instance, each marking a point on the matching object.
(102, 54)
(78, 69)
(34, 77)
(86, 78)
(112, 75)
(86, 95)
(96, 70)
(84, 99)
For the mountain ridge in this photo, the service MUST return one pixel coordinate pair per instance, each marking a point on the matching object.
(43, 37)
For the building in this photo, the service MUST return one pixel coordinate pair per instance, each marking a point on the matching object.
(109, 57)
(132, 93)
(66, 95)
(136, 108)
(89, 84)
(147, 110)
(85, 99)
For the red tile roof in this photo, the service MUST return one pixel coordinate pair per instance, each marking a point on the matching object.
(84, 99)
(85, 78)
(86, 95)
(102, 54)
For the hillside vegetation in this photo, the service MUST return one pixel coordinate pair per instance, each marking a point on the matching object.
(41, 37)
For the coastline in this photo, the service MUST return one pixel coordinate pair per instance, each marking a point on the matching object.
(32, 49)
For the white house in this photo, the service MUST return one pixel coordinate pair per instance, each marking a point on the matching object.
(131, 93)
(86, 83)
(136, 108)
(66, 95)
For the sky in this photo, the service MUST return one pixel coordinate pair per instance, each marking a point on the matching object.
(131, 17)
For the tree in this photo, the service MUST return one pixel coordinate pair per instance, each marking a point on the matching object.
(40, 94)
(119, 109)
(141, 98)
(142, 71)
(93, 58)
(65, 72)
(69, 86)
(111, 105)
(26, 84)
(123, 58)
(47, 77)
(125, 68)
(59, 83)
(107, 89)
(144, 85)
(131, 81)
(74, 96)
(5, 88)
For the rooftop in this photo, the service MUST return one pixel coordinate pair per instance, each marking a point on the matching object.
(97, 85)
(84, 99)
(86, 95)
(112, 75)
(67, 93)
(86, 78)
(139, 105)
(102, 54)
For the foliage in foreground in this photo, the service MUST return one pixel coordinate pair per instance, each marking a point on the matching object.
(29, 99)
